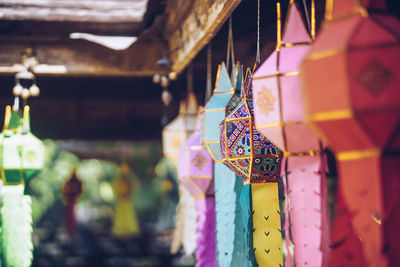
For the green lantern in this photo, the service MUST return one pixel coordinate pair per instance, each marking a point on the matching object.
(21, 153)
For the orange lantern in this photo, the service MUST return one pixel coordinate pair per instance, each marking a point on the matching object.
(351, 78)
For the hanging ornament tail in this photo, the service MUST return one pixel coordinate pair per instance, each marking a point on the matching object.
(206, 247)
(267, 236)
(229, 226)
(346, 247)
(247, 218)
(190, 214)
(16, 227)
(306, 198)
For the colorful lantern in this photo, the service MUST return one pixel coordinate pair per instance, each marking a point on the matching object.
(229, 228)
(195, 172)
(22, 153)
(22, 157)
(125, 222)
(257, 161)
(71, 191)
(351, 78)
(179, 129)
(280, 116)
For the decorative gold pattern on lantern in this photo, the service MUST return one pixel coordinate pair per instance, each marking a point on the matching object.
(266, 101)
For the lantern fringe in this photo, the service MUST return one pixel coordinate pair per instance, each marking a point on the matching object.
(16, 227)
(229, 226)
(189, 222)
(267, 236)
(206, 252)
(346, 247)
(307, 209)
(288, 242)
(247, 218)
(185, 226)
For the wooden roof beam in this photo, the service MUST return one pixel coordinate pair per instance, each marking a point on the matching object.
(200, 22)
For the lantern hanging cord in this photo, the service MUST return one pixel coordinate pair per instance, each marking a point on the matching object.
(209, 69)
(258, 58)
(230, 53)
(307, 16)
(189, 78)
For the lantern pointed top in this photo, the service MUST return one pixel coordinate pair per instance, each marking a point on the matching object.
(295, 31)
(26, 119)
(7, 117)
(192, 107)
(188, 106)
(223, 81)
(15, 121)
(182, 106)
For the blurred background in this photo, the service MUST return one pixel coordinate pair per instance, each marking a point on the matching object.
(99, 109)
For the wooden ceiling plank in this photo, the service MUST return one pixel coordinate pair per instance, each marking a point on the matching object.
(201, 24)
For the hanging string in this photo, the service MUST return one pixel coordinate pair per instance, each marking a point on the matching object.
(189, 78)
(307, 16)
(258, 58)
(230, 53)
(209, 70)
(278, 26)
(313, 19)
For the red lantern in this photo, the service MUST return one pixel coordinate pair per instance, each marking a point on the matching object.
(351, 78)
(71, 191)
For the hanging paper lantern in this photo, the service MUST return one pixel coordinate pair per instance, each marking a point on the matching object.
(195, 172)
(195, 169)
(280, 116)
(125, 222)
(229, 228)
(71, 191)
(244, 150)
(351, 78)
(257, 161)
(22, 154)
(179, 129)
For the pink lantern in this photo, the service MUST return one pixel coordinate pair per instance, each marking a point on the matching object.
(195, 172)
(280, 116)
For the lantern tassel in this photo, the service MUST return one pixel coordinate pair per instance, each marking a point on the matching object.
(16, 227)
(206, 253)
(190, 222)
(247, 218)
(307, 205)
(267, 224)
(346, 247)
(229, 226)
